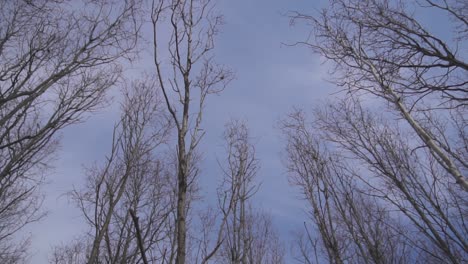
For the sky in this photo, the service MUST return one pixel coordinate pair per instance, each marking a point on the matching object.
(271, 79)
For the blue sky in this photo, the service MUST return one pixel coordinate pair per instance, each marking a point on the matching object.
(271, 78)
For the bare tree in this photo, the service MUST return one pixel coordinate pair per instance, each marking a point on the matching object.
(412, 181)
(380, 48)
(74, 252)
(261, 242)
(249, 235)
(186, 80)
(374, 186)
(236, 231)
(132, 179)
(351, 226)
(242, 166)
(56, 63)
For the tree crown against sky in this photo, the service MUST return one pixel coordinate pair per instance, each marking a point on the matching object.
(384, 158)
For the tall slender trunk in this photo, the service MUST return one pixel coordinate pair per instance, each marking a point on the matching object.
(181, 202)
(243, 227)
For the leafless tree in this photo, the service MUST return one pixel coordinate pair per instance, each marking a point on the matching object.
(56, 63)
(379, 47)
(351, 226)
(186, 77)
(373, 186)
(242, 166)
(413, 182)
(249, 235)
(131, 180)
(260, 242)
(74, 252)
(235, 231)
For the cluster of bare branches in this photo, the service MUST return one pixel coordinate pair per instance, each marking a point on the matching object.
(378, 47)
(370, 177)
(55, 64)
(127, 201)
(74, 252)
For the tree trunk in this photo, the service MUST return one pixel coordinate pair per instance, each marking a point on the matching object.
(181, 203)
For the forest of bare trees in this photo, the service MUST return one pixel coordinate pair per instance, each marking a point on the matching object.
(380, 170)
